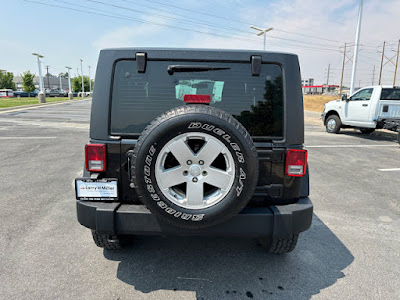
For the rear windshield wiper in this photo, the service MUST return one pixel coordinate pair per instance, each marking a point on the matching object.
(192, 68)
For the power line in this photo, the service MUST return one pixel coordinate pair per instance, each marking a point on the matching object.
(233, 20)
(123, 17)
(132, 19)
(194, 22)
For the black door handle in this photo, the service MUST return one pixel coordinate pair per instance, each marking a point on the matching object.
(365, 105)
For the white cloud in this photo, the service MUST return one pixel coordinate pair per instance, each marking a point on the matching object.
(133, 35)
(334, 20)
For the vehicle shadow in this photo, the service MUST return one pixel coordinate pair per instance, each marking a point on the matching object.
(378, 135)
(228, 268)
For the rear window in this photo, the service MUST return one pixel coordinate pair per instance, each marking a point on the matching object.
(390, 94)
(138, 98)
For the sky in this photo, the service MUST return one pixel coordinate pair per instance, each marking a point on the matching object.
(65, 31)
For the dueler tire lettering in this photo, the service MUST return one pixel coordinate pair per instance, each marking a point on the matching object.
(199, 119)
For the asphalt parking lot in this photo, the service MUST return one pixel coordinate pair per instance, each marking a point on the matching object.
(350, 252)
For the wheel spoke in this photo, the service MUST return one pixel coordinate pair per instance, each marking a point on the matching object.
(218, 178)
(181, 151)
(209, 152)
(194, 193)
(170, 178)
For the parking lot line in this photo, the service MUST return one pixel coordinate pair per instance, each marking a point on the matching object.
(352, 146)
(389, 170)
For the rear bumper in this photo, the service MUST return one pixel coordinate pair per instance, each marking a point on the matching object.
(273, 221)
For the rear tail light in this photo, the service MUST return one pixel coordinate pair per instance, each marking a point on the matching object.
(196, 98)
(296, 162)
(95, 157)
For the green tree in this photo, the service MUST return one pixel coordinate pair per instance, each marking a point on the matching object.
(6, 80)
(27, 81)
(63, 75)
(77, 83)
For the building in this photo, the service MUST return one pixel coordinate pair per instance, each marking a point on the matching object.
(50, 82)
(307, 81)
(320, 89)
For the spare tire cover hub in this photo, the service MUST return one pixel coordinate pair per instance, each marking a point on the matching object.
(197, 182)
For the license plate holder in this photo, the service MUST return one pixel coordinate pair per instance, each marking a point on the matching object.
(96, 189)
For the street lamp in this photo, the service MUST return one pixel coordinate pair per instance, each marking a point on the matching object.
(41, 95)
(262, 32)
(83, 87)
(90, 82)
(70, 95)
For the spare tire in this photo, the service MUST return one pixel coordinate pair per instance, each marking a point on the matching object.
(195, 166)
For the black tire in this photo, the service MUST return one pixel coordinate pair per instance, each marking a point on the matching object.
(337, 122)
(279, 246)
(110, 242)
(203, 120)
(367, 130)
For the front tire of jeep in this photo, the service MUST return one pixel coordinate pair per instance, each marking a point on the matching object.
(109, 242)
(279, 246)
(195, 166)
(333, 124)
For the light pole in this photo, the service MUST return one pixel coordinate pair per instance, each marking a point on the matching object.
(353, 74)
(90, 82)
(262, 32)
(83, 87)
(70, 95)
(41, 95)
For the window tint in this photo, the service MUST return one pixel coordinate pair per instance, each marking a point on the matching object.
(390, 94)
(138, 98)
(362, 95)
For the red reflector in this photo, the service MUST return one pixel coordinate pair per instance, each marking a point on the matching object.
(196, 98)
(95, 157)
(296, 162)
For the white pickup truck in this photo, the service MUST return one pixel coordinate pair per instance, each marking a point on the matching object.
(370, 108)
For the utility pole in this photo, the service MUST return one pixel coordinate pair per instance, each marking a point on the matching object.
(397, 61)
(41, 95)
(262, 32)
(327, 78)
(70, 95)
(60, 82)
(344, 61)
(357, 42)
(373, 76)
(383, 55)
(83, 87)
(90, 82)
(48, 78)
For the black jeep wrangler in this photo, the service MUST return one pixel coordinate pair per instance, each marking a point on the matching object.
(196, 142)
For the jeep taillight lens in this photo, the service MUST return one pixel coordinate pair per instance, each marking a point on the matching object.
(296, 162)
(95, 157)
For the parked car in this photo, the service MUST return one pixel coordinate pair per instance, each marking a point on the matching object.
(64, 93)
(6, 93)
(370, 108)
(86, 94)
(54, 93)
(20, 94)
(196, 142)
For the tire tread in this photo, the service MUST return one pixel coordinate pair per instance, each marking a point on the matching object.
(110, 242)
(280, 246)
